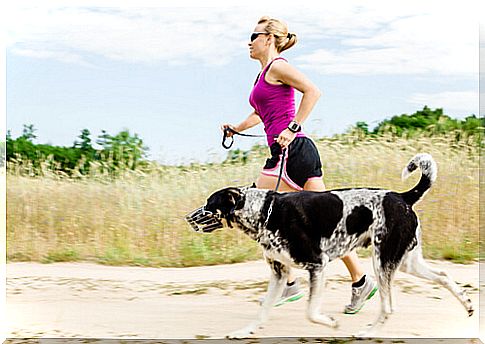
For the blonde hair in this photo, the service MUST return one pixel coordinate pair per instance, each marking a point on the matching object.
(283, 39)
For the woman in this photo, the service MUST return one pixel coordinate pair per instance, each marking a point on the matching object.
(273, 101)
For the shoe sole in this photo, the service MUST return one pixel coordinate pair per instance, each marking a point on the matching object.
(363, 303)
(289, 299)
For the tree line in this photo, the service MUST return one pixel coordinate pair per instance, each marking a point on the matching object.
(127, 151)
(433, 122)
(120, 151)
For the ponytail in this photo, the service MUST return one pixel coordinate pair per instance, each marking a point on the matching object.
(290, 41)
(283, 39)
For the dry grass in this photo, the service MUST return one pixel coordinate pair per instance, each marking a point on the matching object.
(138, 219)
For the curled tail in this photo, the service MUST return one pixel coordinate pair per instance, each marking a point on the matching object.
(428, 175)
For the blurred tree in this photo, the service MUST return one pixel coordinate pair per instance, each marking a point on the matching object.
(28, 132)
(117, 152)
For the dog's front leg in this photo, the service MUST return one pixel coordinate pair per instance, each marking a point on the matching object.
(279, 275)
(316, 295)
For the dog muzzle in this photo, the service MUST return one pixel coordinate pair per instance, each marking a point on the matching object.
(202, 220)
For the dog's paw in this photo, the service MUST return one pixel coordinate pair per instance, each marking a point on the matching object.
(241, 333)
(363, 334)
(368, 331)
(333, 322)
(324, 320)
(329, 321)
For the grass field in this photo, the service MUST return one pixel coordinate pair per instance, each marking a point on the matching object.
(137, 219)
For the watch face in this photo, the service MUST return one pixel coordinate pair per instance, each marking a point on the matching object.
(294, 126)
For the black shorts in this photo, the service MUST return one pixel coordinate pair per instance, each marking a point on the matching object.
(302, 162)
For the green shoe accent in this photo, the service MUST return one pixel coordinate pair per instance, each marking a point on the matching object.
(290, 293)
(363, 303)
(372, 293)
(290, 299)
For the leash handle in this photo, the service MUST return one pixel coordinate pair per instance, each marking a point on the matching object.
(225, 137)
(230, 130)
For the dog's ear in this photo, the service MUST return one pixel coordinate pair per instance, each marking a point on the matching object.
(236, 198)
(226, 201)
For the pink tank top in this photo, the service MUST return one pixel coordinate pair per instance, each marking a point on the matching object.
(274, 103)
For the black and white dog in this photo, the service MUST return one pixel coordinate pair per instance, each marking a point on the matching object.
(310, 229)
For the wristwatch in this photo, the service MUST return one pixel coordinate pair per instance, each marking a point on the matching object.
(294, 126)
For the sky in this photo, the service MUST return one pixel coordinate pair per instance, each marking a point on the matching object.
(173, 73)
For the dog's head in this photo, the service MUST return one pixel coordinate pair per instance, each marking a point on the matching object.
(220, 205)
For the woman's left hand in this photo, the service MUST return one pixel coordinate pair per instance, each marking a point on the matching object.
(285, 138)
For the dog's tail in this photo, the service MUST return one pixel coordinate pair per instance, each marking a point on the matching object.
(429, 171)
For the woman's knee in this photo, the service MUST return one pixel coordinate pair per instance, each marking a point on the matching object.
(314, 184)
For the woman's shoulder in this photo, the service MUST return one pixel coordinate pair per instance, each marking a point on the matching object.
(279, 61)
(281, 66)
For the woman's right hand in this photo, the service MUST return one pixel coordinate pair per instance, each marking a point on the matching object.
(230, 126)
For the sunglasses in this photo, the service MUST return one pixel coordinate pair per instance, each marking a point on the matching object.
(255, 35)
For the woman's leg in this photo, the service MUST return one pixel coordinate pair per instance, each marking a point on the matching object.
(314, 184)
(269, 182)
(352, 263)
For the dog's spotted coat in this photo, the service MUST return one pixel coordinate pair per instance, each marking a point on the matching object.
(310, 229)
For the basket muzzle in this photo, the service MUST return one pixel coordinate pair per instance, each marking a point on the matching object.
(202, 220)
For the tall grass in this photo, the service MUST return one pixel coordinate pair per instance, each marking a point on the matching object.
(137, 218)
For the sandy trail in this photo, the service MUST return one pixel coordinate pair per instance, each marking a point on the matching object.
(94, 301)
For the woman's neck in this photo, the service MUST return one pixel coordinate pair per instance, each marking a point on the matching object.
(267, 59)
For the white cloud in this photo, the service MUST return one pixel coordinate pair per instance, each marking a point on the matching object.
(56, 55)
(353, 37)
(426, 40)
(127, 34)
(458, 102)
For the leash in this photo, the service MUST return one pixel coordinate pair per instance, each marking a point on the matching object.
(283, 153)
(230, 130)
(234, 132)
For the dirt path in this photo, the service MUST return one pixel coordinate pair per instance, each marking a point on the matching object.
(93, 301)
